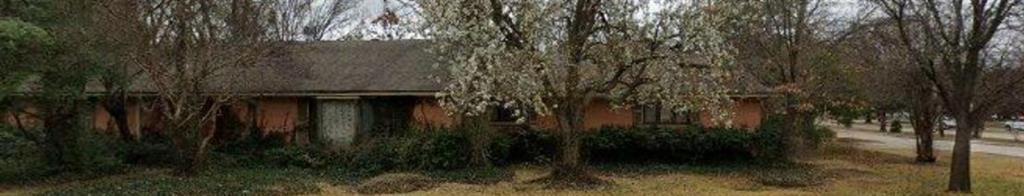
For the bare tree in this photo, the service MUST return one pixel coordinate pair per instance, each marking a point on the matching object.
(790, 46)
(397, 19)
(311, 20)
(887, 79)
(948, 41)
(191, 52)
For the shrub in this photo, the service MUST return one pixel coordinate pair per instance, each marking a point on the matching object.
(14, 146)
(500, 149)
(374, 156)
(19, 158)
(671, 145)
(768, 141)
(530, 146)
(23, 161)
(896, 126)
(609, 144)
(725, 145)
(100, 154)
(151, 149)
(451, 150)
(442, 150)
(818, 135)
(251, 144)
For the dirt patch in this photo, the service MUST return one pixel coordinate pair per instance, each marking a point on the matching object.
(396, 183)
(577, 180)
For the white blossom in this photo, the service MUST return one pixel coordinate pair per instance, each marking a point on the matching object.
(521, 57)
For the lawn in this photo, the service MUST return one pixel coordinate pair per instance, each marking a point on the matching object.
(837, 169)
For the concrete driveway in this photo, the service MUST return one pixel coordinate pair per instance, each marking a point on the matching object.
(882, 141)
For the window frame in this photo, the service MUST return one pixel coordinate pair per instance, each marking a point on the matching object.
(655, 115)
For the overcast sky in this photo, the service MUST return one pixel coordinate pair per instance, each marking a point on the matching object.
(367, 10)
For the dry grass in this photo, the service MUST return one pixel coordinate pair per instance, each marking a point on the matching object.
(838, 169)
(395, 183)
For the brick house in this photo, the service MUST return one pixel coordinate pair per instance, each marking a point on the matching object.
(337, 91)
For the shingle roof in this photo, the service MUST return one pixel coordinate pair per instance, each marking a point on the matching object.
(379, 66)
(329, 67)
(353, 67)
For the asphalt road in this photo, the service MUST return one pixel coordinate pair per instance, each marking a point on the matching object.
(883, 141)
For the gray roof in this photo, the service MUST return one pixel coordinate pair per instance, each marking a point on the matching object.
(329, 67)
(352, 67)
(337, 67)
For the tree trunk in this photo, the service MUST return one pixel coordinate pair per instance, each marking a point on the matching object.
(192, 136)
(118, 110)
(923, 126)
(883, 122)
(192, 151)
(868, 118)
(925, 147)
(569, 164)
(960, 170)
(942, 131)
(793, 133)
(923, 117)
(480, 138)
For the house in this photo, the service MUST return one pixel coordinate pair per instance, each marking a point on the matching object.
(338, 91)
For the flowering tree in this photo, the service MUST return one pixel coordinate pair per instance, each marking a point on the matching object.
(555, 57)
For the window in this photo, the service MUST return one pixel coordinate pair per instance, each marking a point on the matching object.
(503, 115)
(657, 115)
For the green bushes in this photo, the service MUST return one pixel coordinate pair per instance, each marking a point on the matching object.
(434, 150)
(525, 146)
(19, 158)
(896, 126)
(99, 154)
(818, 135)
(768, 142)
(669, 145)
(23, 160)
(150, 150)
(13, 145)
(444, 149)
(450, 149)
(441, 150)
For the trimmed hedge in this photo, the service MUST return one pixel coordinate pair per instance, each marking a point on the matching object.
(451, 149)
(671, 145)
(446, 150)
